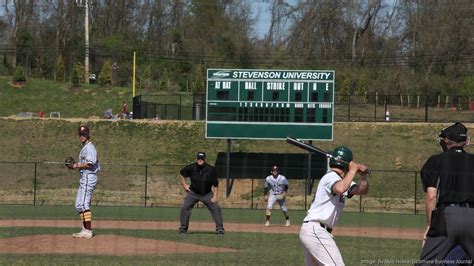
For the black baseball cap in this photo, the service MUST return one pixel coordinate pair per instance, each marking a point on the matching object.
(201, 155)
(456, 132)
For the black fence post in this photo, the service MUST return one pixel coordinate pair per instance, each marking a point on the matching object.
(426, 107)
(145, 108)
(34, 185)
(251, 199)
(305, 193)
(309, 170)
(228, 185)
(375, 105)
(179, 109)
(146, 183)
(416, 177)
(349, 107)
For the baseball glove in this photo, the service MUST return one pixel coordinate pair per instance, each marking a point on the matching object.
(280, 196)
(69, 162)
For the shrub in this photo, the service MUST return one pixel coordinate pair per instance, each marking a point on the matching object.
(5, 68)
(59, 71)
(77, 73)
(199, 78)
(19, 75)
(163, 86)
(105, 76)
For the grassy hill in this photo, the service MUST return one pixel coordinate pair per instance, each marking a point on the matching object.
(87, 101)
(124, 146)
(47, 96)
(389, 146)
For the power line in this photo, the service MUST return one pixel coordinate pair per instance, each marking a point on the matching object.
(258, 59)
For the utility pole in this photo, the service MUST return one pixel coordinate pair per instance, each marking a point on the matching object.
(85, 3)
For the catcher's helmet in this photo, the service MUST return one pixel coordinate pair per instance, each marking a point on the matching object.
(83, 131)
(342, 156)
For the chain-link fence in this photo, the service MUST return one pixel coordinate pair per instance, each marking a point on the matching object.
(358, 108)
(169, 107)
(50, 183)
(403, 108)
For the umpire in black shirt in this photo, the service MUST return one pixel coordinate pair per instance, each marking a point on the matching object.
(205, 188)
(448, 179)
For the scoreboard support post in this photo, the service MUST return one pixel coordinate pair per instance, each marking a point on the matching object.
(310, 180)
(229, 180)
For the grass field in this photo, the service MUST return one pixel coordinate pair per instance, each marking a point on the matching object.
(254, 248)
(200, 214)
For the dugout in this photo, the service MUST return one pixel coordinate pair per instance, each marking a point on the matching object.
(257, 165)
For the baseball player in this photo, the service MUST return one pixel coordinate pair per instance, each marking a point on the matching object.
(275, 189)
(88, 166)
(333, 189)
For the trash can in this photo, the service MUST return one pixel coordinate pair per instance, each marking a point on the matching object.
(197, 111)
(471, 106)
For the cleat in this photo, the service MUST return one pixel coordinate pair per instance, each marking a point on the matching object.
(267, 223)
(77, 234)
(83, 234)
(287, 223)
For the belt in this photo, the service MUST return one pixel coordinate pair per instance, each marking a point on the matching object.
(464, 204)
(329, 229)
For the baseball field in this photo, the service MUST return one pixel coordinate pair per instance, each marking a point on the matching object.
(129, 234)
(148, 236)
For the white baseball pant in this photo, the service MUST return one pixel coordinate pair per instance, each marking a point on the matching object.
(87, 185)
(319, 245)
(271, 201)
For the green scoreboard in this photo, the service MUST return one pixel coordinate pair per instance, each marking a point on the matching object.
(270, 104)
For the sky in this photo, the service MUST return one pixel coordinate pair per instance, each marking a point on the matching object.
(262, 17)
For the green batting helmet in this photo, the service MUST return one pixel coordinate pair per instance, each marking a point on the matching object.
(341, 156)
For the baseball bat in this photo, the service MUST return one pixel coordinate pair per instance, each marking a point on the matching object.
(308, 147)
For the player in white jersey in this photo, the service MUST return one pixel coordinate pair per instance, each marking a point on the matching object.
(88, 166)
(333, 189)
(275, 188)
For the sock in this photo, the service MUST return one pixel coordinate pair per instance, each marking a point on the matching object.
(87, 219)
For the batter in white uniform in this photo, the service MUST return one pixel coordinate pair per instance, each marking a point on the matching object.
(275, 188)
(333, 189)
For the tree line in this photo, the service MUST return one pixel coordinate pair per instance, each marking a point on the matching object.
(393, 47)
